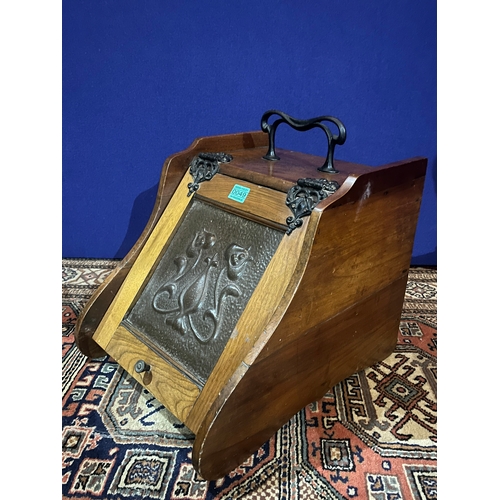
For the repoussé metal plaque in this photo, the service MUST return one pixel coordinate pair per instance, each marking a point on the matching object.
(194, 297)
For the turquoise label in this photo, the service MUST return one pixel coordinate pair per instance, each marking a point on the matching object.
(239, 193)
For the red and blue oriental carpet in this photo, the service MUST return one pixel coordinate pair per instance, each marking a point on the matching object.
(372, 436)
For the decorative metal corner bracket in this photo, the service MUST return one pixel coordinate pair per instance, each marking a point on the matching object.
(203, 167)
(304, 196)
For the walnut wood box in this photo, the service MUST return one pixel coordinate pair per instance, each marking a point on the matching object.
(234, 318)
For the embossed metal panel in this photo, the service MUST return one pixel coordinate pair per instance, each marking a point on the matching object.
(194, 297)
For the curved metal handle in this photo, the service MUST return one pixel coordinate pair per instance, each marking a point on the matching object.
(302, 126)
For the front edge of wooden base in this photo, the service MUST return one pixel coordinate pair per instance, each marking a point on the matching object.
(263, 397)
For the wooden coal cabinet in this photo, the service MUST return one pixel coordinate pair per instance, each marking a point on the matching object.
(263, 278)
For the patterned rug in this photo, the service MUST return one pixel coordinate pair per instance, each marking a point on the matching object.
(372, 436)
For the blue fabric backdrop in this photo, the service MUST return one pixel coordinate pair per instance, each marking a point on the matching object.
(143, 79)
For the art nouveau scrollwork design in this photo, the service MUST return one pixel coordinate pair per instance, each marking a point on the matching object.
(203, 167)
(194, 298)
(304, 196)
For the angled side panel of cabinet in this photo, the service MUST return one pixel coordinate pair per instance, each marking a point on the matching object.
(343, 315)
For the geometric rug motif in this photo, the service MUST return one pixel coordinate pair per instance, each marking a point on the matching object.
(143, 473)
(392, 405)
(372, 436)
(422, 480)
(129, 413)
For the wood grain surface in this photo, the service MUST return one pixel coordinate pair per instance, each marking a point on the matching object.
(327, 305)
(166, 383)
(342, 317)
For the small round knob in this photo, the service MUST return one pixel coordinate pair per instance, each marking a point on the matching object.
(142, 366)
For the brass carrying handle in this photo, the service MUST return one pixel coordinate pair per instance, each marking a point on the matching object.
(302, 126)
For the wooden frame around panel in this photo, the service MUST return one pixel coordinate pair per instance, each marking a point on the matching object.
(327, 305)
(168, 385)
